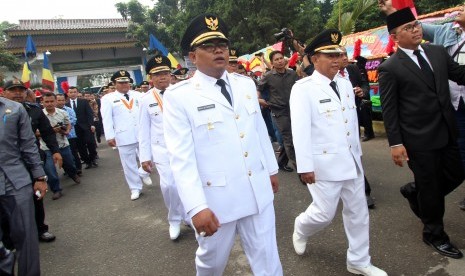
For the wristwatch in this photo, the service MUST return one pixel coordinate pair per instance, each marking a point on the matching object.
(42, 179)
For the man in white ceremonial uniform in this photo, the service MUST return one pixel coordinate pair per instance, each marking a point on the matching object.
(221, 156)
(328, 151)
(152, 146)
(120, 117)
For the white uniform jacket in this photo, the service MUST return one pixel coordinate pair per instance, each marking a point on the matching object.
(325, 128)
(151, 139)
(221, 156)
(120, 119)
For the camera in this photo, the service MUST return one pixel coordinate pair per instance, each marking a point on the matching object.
(284, 34)
(61, 126)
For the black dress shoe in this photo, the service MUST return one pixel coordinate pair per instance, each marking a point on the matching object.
(95, 164)
(46, 237)
(367, 138)
(88, 166)
(411, 195)
(445, 248)
(370, 202)
(286, 169)
(7, 262)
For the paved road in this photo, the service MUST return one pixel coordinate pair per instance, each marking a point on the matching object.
(101, 232)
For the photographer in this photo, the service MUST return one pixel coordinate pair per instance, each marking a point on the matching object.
(61, 125)
(287, 37)
(279, 82)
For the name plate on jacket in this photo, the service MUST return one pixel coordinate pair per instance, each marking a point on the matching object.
(205, 107)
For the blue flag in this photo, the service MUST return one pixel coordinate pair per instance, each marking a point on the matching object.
(30, 50)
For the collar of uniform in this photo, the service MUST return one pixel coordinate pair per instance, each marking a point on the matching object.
(323, 79)
(211, 80)
(346, 73)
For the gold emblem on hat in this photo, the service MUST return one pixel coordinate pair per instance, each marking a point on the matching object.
(158, 59)
(122, 73)
(212, 23)
(183, 71)
(334, 37)
(233, 52)
(15, 81)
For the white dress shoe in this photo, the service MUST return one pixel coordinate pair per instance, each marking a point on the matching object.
(300, 244)
(147, 180)
(369, 270)
(175, 230)
(135, 194)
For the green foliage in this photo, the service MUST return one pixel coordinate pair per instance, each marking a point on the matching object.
(428, 6)
(8, 62)
(252, 23)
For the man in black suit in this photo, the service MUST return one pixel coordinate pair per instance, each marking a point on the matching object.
(420, 123)
(84, 128)
(362, 91)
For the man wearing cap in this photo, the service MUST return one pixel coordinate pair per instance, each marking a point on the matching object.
(232, 65)
(120, 114)
(152, 146)
(16, 91)
(220, 154)
(420, 123)
(179, 75)
(328, 152)
(19, 162)
(144, 86)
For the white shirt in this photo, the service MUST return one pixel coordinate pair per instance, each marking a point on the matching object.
(456, 91)
(411, 55)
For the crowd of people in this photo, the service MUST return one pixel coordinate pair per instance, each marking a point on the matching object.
(218, 136)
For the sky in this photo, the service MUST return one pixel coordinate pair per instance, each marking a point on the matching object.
(14, 10)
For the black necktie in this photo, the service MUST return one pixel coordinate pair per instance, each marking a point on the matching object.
(334, 87)
(126, 96)
(425, 68)
(225, 92)
(161, 92)
(74, 104)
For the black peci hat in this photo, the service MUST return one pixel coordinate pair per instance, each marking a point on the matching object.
(144, 83)
(157, 64)
(202, 28)
(326, 42)
(399, 18)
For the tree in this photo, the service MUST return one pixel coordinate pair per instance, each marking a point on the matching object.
(8, 62)
(252, 23)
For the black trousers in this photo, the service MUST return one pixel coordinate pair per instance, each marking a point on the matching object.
(73, 145)
(437, 173)
(16, 207)
(365, 119)
(283, 122)
(86, 145)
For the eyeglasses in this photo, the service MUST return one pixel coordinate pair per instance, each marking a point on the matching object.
(210, 46)
(411, 27)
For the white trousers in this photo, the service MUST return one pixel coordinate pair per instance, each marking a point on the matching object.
(129, 155)
(319, 214)
(258, 239)
(170, 194)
